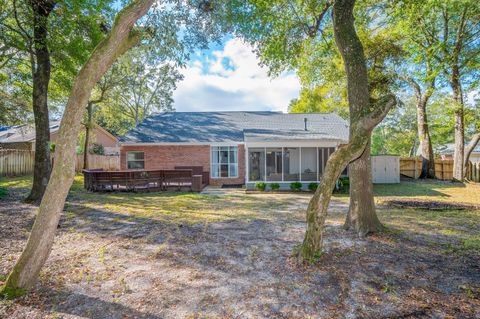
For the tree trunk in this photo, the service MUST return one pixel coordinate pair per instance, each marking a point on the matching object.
(459, 152)
(362, 217)
(426, 149)
(88, 128)
(41, 78)
(469, 149)
(119, 40)
(364, 117)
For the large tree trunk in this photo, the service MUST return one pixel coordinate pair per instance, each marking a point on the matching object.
(459, 152)
(88, 128)
(41, 78)
(364, 116)
(119, 40)
(426, 149)
(362, 217)
(469, 149)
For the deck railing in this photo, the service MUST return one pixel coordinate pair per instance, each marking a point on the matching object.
(142, 180)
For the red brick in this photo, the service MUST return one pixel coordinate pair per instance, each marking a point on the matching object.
(169, 156)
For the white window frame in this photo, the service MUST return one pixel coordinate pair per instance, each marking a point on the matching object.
(128, 152)
(218, 164)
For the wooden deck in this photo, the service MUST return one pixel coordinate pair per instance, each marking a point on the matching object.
(143, 180)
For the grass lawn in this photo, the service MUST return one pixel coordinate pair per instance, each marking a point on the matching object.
(186, 255)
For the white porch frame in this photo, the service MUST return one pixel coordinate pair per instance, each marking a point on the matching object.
(283, 145)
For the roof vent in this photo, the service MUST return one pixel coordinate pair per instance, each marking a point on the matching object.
(305, 122)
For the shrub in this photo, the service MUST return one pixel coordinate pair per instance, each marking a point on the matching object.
(260, 186)
(313, 186)
(296, 186)
(343, 185)
(274, 186)
(97, 149)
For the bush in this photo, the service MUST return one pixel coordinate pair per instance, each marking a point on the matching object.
(313, 186)
(274, 186)
(97, 149)
(260, 186)
(343, 185)
(296, 186)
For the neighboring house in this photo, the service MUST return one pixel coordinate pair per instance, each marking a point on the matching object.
(22, 137)
(447, 152)
(237, 147)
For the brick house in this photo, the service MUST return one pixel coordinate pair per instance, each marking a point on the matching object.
(22, 137)
(236, 148)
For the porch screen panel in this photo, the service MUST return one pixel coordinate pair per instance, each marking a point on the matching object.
(274, 164)
(323, 155)
(291, 164)
(256, 164)
(309, 164)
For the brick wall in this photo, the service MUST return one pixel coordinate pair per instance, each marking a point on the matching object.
(169, 156)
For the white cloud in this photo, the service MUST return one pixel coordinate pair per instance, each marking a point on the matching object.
(233, 81)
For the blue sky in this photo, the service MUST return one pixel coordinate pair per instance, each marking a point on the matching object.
(227, 77)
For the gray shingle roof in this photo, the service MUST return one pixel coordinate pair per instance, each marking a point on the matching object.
(449, 149)
(208, 127)
(23, 133)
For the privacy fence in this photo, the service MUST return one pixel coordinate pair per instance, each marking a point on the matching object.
(412, 167)
(21, 162)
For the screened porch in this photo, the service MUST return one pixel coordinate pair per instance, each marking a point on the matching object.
(287, 164)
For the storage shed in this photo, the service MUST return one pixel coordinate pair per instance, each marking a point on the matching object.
(386, 169)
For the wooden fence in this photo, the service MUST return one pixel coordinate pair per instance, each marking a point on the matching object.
(108, 163)
(21, 162)
(16, 162)
(473, 172)
(412, 167)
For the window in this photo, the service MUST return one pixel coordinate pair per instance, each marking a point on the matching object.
(224, 161)
(135, 160)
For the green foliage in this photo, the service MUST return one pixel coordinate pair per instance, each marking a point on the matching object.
(11, 293)
(133, 88)
(275, 186)
(296, 186)
(52, 147)
(3, 192)
(325, 98)
(343, 185)
(261, 186)
(75, 28)
(313, 186)
(97, 149)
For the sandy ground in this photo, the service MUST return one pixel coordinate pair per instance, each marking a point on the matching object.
(110, 265)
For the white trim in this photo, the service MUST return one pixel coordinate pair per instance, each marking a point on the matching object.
(300, 164)
(294, 144)
(324, 151)
(265, 164)
(232, 143)
(283, 168)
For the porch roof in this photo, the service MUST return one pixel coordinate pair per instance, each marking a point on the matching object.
(288, 135)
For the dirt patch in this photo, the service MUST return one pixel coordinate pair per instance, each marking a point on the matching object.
(428, 204)
(113, 264)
